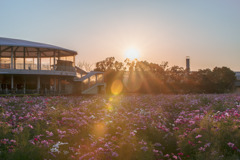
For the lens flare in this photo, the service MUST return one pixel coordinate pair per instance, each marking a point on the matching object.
(133, 82)
(99, 129)
(116, 87)
(109, 107)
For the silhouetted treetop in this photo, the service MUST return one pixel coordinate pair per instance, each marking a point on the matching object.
(160, 78)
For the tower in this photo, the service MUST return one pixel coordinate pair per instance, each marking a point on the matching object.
(188, 64)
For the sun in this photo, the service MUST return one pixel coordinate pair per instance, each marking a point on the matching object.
(132, 54)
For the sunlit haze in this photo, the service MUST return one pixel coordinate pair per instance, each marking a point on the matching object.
(132, 54)
(207, 31)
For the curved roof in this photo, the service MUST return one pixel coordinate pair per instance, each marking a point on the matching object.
(6, 43)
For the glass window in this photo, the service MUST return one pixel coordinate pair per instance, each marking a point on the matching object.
(5, 63)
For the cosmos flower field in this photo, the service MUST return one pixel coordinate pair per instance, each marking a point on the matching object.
(120, 127)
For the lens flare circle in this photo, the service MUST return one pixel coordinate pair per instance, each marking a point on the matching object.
(99, 129)
(116, 87)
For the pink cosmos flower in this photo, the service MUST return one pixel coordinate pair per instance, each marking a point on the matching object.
(29, 125)
(114, 154)
(132, 133)
(167, 155)
(192, 122)
(234, 148)
(44, 142)
(198, 136)
(61, 132)
(13, 141)
(144, 148)
(31, 141)
(20, 128)
(175, 128)
(201, 149)
(180, 154)
(207, 145)
(20, 118)
(230, 144)
(49, 133)
(157, 144)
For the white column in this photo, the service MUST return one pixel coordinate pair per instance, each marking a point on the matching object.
(74, 61)
(88, 82)
(54, 85)
(59, 58)
(50, 62)
(24, 86)
(12, 82)
(6, 89)
(54, 59)
(14, 54)
(0, 57)
(38, 61)
(33, 65)
(38, 84)
(24, 58)
(96, 78)
(59, 86)
(12, 58)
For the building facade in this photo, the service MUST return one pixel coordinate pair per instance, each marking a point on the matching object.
(237, 83)
(29, 67)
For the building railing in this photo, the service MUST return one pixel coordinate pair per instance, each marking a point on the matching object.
(91, 79)
(34, 91)
(43, 67)
(87, 84)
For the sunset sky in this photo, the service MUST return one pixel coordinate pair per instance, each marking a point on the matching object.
(206, 30)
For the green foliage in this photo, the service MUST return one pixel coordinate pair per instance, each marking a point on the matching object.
(145, 77)
(215, 133)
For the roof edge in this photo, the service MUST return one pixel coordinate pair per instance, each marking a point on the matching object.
(26, 43)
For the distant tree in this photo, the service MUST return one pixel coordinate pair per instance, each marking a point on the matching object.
(175, 76)
(142, 66)
(118, 66)
(164, 65)
(145, 77)
(223, 79)
(130, 64)
(112, 69)
(204, 77)
(105, 65)
(85, 66)
(109, 64)
(218, 80)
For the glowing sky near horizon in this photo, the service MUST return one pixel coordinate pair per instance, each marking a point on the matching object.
(207, 31)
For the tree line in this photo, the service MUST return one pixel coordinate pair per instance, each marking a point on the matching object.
(145, 77)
